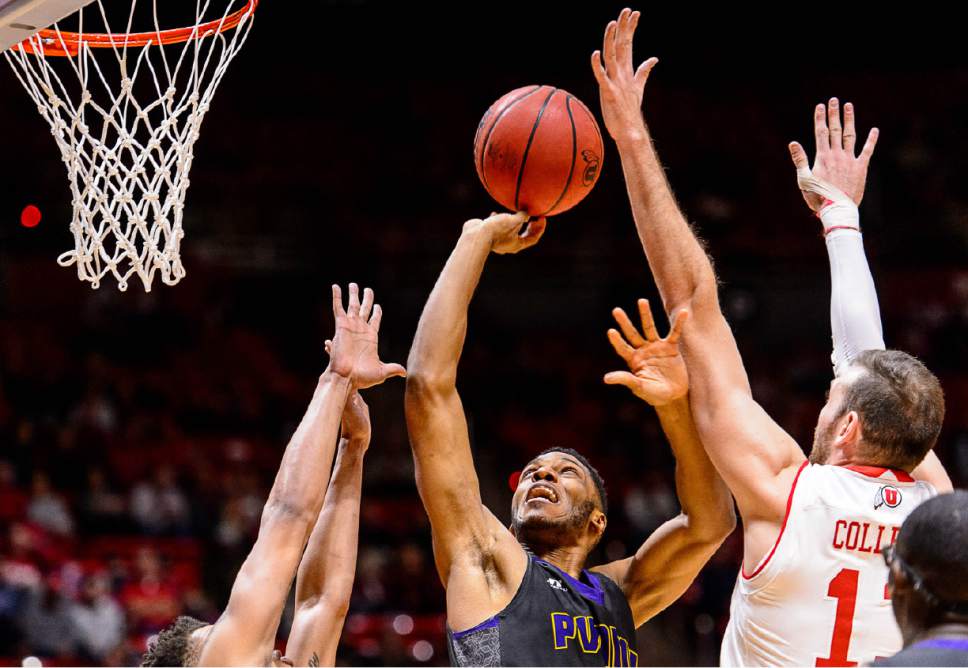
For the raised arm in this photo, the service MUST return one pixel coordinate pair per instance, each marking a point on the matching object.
(833, 189)
(324, 582)
(669, 560)
(245, 633)
(478, 560)
(756, 458)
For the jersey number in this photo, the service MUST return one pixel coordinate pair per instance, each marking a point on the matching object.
(843, 588)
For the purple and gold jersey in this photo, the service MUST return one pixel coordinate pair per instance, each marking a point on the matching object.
(553, 620)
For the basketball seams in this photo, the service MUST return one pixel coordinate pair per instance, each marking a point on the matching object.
(524, 156)
(497, 119)
(594, 124)
(574, 154)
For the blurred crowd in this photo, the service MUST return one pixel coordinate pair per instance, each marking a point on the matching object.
(139, 434)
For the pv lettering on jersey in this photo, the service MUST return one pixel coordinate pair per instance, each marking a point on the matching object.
(591, 638)
(863, 536)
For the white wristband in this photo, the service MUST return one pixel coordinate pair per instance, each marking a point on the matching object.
(839, 211)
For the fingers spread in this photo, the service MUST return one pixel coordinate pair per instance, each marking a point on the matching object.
(353, 305)
(338, 301)
(597, 68)
(850, 131)
(618, 343)
(868, 150)
(833, 123)
(628, 329)
(648, 324)
(608, 49)
(799, 156)
(642, 74)
(820, 131)
(620, 378)
(376, 318)
(391, 370)
(677, 326)
(623, 40)
(367, 303)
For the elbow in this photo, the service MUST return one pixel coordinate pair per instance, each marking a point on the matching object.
(712, 530)
(280, 511)
(330, 605)
(425, 386)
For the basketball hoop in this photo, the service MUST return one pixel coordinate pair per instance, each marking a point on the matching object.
(128, 160)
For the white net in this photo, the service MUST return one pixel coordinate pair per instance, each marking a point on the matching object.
(126, 129)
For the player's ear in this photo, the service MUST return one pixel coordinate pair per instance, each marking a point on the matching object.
(599, 521)
(849, 432)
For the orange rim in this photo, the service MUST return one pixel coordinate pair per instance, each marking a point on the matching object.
(69, 43)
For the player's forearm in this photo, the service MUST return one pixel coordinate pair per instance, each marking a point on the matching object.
(300, 485)
(440, 334)
(679, 264)
(329, 562)
(703, 496)
(855, 317)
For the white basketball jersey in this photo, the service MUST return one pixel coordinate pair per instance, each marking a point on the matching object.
(819, 598)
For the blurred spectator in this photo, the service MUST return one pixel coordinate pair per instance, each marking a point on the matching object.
(159, 506)
(97, 618)
(13, 500)
(46, 621)
(47, 509)
(150, 597)
(102, 509)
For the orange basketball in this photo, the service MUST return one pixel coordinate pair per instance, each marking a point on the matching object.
(538, 149)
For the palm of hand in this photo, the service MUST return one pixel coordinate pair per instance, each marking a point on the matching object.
(660, 372)
(844, 171)
(356, 357)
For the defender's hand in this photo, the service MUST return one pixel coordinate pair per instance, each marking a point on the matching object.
(620, 87)
(835, 162)
(353, 349)
(658, 373)
(509, 232)
(355, 427)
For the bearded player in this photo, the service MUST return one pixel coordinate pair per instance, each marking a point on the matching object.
(245, 633)
(523, 596)
(812, 590)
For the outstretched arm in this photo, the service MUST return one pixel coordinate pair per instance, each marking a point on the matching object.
(833, 190)
(245, 633)
(756, 458)
(478, 560)
(669, 560)
(324, 582)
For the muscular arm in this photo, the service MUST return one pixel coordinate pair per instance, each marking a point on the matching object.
(245, 633)
(478, 560)
(248, 626)
(324, 581)
(756, 458)
(669, 560)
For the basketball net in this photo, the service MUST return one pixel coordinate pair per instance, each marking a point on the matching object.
(128, 156)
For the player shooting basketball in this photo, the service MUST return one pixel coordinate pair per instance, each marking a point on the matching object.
(522, 596)
(245, 633)
(816, 597)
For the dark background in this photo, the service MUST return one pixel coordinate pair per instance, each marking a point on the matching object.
(139, 433)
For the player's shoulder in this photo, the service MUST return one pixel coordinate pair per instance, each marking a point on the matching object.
(851, 485)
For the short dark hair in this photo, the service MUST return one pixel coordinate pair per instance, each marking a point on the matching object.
(173, 646)
(933, 540)
(596, 476)
(900, 404)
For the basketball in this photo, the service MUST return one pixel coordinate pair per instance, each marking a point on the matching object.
(538, 149)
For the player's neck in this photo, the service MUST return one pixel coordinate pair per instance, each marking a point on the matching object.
(570, 559)
(946, 630)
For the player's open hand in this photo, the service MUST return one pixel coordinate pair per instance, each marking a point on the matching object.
(621, 87)
(657, 373)
(355, 427)
(835, 162)
(510, 232)
(353, 349)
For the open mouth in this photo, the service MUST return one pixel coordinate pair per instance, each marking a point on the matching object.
(541, 492)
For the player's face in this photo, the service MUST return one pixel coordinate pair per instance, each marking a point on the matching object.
(554, 499)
